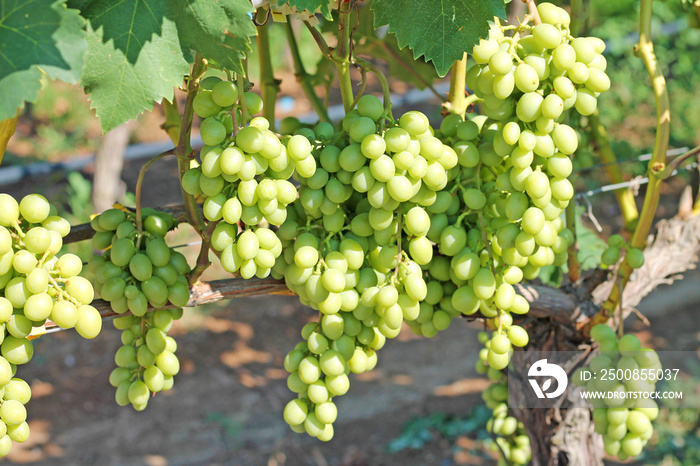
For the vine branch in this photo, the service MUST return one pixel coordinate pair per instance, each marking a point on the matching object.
(269, 86)
(657, 164)
(457, 97)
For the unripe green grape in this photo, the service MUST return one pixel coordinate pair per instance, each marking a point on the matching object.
(578, 73)
(370, 106)
(564, 56)
(559, 166)
(34, 208)
(501, 63)
(635, 258)
(212, 131)
(597, 81)
(9, 210)
(204, 105)
(483, 51)
(253, 102)
(547, 35)
(586, 102)
(224, 93)
(529, 107)
(565, 138)
(414, 122)
(562, 189)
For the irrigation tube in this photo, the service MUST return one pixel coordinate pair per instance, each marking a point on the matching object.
(133, 152)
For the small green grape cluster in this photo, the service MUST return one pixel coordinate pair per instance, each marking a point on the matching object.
(360, 308)
(511, 437)
(35, 285)
(625, 423)
(244, 178)
(137, 269)
(612, 254)
(146, 363)
(252, 253)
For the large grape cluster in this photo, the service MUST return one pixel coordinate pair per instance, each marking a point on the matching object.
(244, 179)
(35, 285)
(624, 421)
(138, 270)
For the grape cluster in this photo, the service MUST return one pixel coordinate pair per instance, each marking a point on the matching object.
(139, 270)
(510, 435)
(244, 178)
(35, 285)
(146, 363)
(625, 423)
(612, 254)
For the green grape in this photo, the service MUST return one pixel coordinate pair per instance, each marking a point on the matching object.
(212, 131)
(635, 258)
(526, 78)
(34, 208)
(529, 106)
(253, 102)
(204, 105)
(9, 210)
(547, 35)
(224, 93)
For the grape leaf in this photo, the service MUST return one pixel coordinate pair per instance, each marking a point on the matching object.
(134, 58)
(310, 5)
(219, 31)
(440, 30)
(37, 35)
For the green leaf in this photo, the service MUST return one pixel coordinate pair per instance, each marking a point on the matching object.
(218, 30)
(134, 58)
(37, 35)
(590, 246)
(310, 5)
(440, 30)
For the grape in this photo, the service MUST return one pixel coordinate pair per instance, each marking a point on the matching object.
(547, 35)
(34, 208)
(224, 94)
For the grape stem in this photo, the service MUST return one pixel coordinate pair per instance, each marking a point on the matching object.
(268, 84)
(457, 97)
(303, 78)
(675, 163)
(241, 100)
(398, 241)
(363, 86)
(578, 16)
(183, 151)
(657, 164)
(139, 186)
(572, 252)
(341, 54)
(532, 8)
(203, 259)
(386, 91)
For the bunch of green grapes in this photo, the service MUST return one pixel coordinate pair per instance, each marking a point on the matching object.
(139, 270)
(35, 285)
(244, 179)
(359, 307)
(612, 254)
(510, 435)
(625, 423)
(146, 361)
